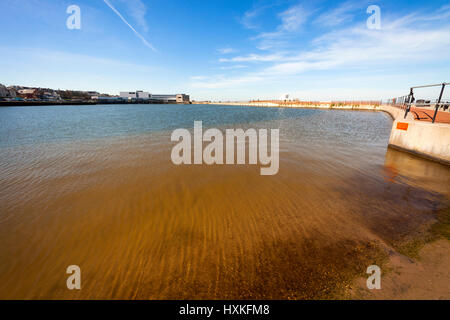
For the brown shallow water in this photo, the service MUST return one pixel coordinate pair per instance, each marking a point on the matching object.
(140, 227)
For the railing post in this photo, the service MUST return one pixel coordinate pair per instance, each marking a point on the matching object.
(408, 106)
(438, 102)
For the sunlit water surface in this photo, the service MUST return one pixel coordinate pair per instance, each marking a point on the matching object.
(94, 186)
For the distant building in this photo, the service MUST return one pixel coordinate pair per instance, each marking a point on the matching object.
(164, 98)
(50, 95)
(26, 91)
(182, 98)
(12, 92)
(142, 95)
(135, 95)
(128, 95)
(92, 94)
(4, 92)
(108, 98)
(167, 98)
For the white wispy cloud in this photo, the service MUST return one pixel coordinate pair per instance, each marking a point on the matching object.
(292, 23)
(47, 56)
(342, 13)
(291, 20)
(195, 78)
(226, 50)
(144, 41)
(442, 13)
(236, 66)
(406, 38)
(221, 81)
(248, 20)
(254, 58)
(137, 10)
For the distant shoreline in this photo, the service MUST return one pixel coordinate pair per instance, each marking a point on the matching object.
(72, 103)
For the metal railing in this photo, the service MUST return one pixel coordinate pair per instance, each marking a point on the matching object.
(405, 102)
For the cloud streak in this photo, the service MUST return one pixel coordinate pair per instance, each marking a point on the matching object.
(138, 10)
(340, 14)
(254, 58)
(226, 50)
(401, 39)
(291, 20)
(250, 15)
(144, 41)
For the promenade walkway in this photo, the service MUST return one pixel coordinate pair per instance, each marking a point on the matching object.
(426, 114)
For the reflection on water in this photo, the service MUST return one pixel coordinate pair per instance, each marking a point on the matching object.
(415, 171)
(140, 227)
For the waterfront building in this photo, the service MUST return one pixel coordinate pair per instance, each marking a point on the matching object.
(182, 98)
(26, 91)
(163, 98)
(3, 91)
(166, 98)
(128, 95)
(108, 99)
(12, 92)
(49, 95)
(142, 95)
(93, 94)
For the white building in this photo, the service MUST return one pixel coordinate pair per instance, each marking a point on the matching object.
(182, 98)
(164, 97)
(128, 95)
(26, 91)
(143, 95)
(50, 95)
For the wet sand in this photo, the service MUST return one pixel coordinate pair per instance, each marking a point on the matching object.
(140, 227)
(425, 277)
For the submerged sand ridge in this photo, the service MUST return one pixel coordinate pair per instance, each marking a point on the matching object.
(140, 227)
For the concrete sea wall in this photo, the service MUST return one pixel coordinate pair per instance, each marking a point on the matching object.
(422, 138)
(425, 139)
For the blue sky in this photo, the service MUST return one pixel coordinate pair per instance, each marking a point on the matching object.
(227, 49)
